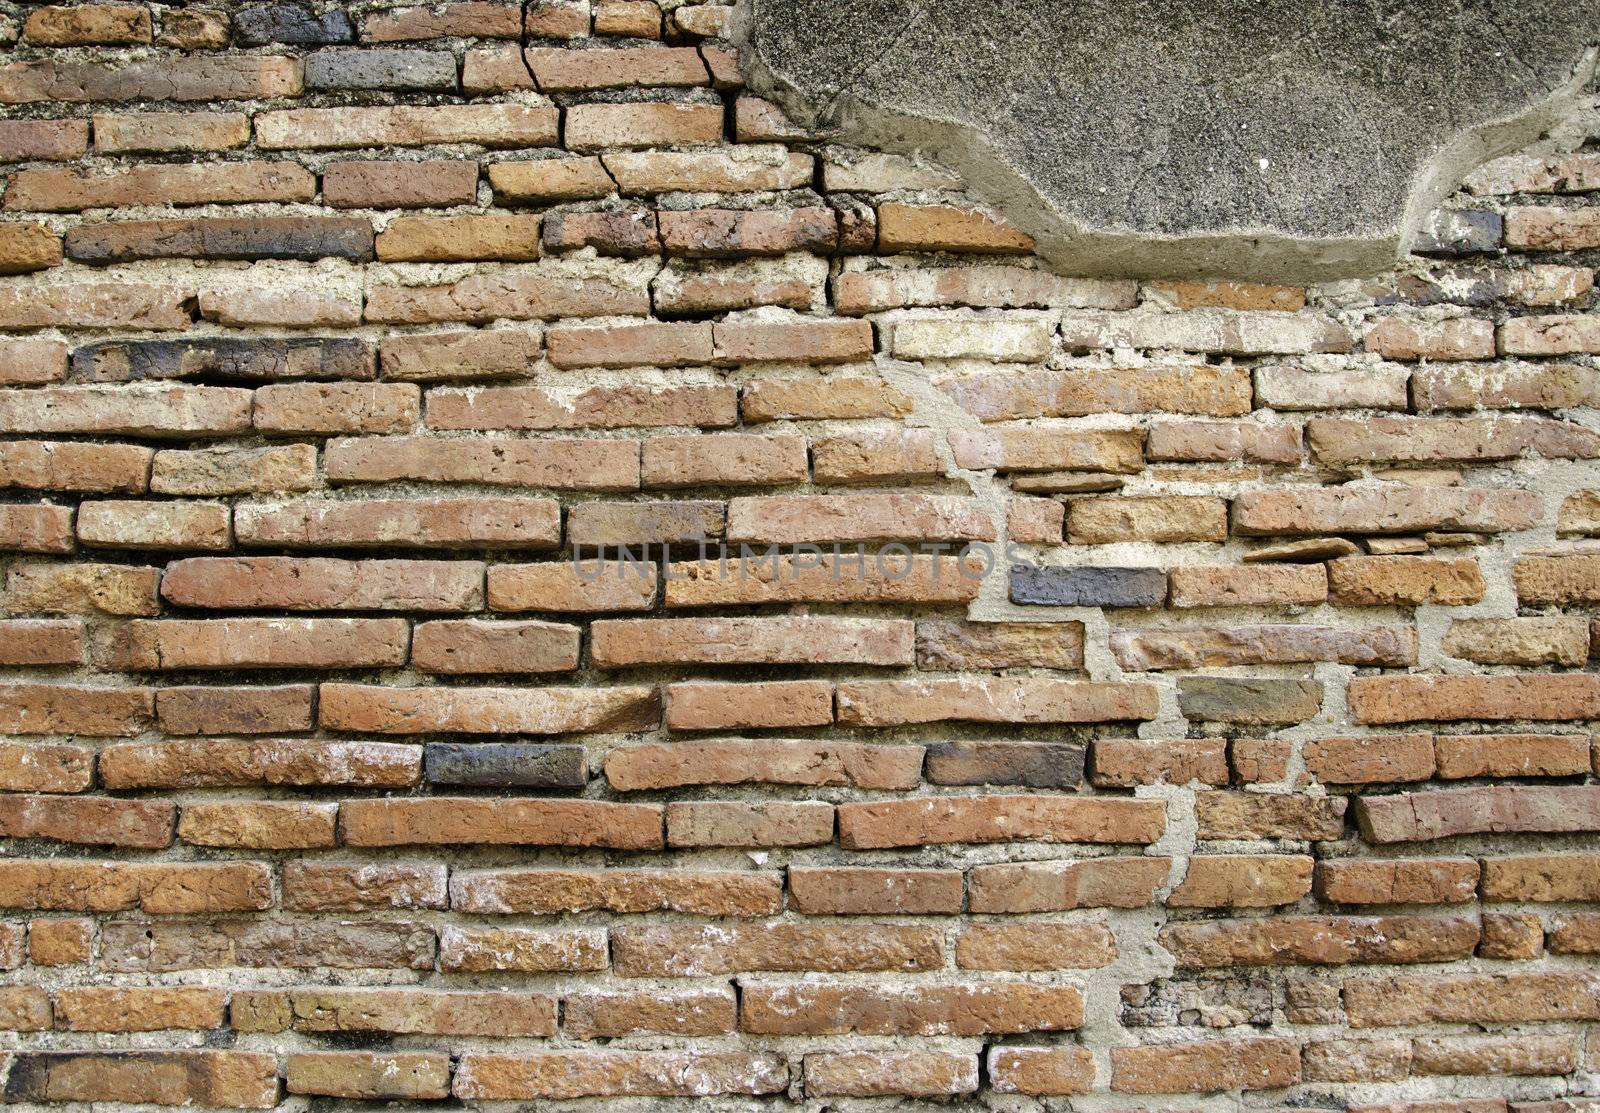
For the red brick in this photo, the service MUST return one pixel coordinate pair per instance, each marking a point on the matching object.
(1389, 1001)
(41, 767)
(154, 525)
(379, 184)
(249, 761)
(614, 889)
(736, 234)
(566, 586)
(635, 768)
(1209, 1066)
(317, 584)
(1410, 699)
(1034, 947)
(526, 950)
(384, 710)
(591, 127)
(235, 710)
(669, 951)
(1420, 816)
(57, 140)
(822, 1009)
(1393, 509)
(232, 643)
(1325, 940)
(946, 228)
(358, 887)
(559, 70)
(722, 459)
(421, 523)
(258, 825)
(620, 643)
(929, 1074)
(695, 705)
(978, 819)
(92, 820)
(577, 1074)
(136, 1009)
(862, 891)
(153, 410)
(520, 407)
(440, 821)
(61, 942)
(1041, 1070)
(993, 700)
(367, 1075)
(689, 1012)
(91, 305)
(1064, 885)
(117, 133)
(75, 885)
(53, 191)
(60, 709)
(231, 1079)
(1406, 881)
(735, 823)
(486, 125)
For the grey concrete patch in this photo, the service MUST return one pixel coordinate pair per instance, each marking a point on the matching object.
(1265, 138)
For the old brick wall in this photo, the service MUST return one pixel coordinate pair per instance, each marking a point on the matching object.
(1264, 779)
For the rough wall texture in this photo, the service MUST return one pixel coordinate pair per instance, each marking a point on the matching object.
(1258, 774)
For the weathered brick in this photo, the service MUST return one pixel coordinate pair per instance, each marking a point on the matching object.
(283, 308)
(183, 79)
(87, 588)
(233, 1079)
(258, 825)
(137, 1009)
(91, 820)
(734, 823)
(95, 305)
(141, 411)
(1383, 510)
(857, 891)
(977, 819)
(984, 286)
(507, 238)
(1041, 1070)
(544, 891)
(28, 528)
(1388, 1001)
(27, 247)
(735, 234)
(1409, 699)
(1406, 881)
(630, 234)
(486, 125)
(1378, 758)
(586, 1073)
(731, 170)
(31, 767)
(1420, 816)
(226, 183)
(395, 1010)
(229, 643)
(320, 583)
(61, 942)
(672, 951)
(1223, 699)
(446, 356)
(993, 700)
(515, 407)
(1510, 386)
(56, 140)
(145, 947)
(855, 764)
(75, 885)
(841, 396)
(903, 227)
(1243, 881)
(262, 358)
(531, 765)
(152, 132)
(381, 523)
(384, 184)
(1573, 578)
(290, 23)
(1209, 646)
(357, 887)
(225, 471)
(1209, 1066)
(592, 127)
(698, 705)
(1088, 586)
(1387, 581)
(61, 709)
(689, 1012)
(283, 237)
(367, 1075)
(284, 709)
(32, 362)
(154, 525)
(1518, 641)
(41, 642)
(939, 1009)
(1295, 388)
(1033, 764)
(219, 762)
(1034, 947)
(356, 707)
(444, 821)
(1456, 338)
(998, 396)
(1323, 940)
(1126, 762)
(533, 951)
(1249, 815)
(573, 586)
(928, 1074)
(378, 68)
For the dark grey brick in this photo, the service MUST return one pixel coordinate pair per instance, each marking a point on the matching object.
(290, 23)
(1088, 587)
(491, 764)
(1034, 764)
(1226, 699)
(381, 69)
(1459, 232)
(120, 361)
(284, 237)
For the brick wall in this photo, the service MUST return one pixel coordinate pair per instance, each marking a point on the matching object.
(1256, 773)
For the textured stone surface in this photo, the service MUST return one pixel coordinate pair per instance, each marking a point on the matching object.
(1036, 123)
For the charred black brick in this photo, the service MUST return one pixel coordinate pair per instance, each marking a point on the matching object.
(285, 237)
(492, 764)
(120, 361)
(1088, 587)
(1034, 764)
(290, 23)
